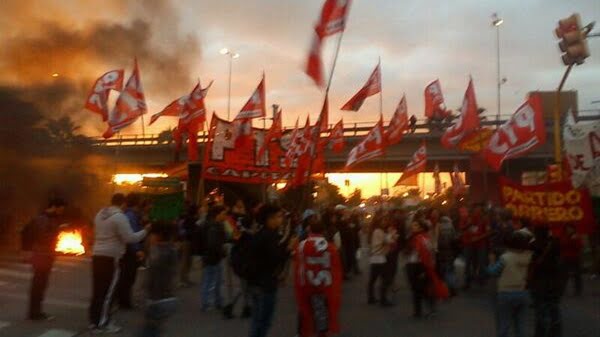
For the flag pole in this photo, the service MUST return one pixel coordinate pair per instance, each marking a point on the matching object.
(143, 126)
(382, 160)
(318, 133)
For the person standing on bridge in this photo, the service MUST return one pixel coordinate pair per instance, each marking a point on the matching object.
(44, 233)
(112, 232)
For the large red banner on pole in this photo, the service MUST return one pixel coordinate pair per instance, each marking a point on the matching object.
(554, 203)
(225, 162)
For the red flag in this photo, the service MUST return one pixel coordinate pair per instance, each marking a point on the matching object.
(97, 100)
(466, 123)
(256, 105)
(333, 17)
(437, 180)
(416, 165)
(188, 108)
(323, 121)
(372, 146)
(194, 111)
(274, 133)
(458, 185)
(372, 87)
(398, 124)
(314, 64)
(522, 133)
(291, 147)
(336, 137)
(433, 100)
(130, 105)
(243, 132)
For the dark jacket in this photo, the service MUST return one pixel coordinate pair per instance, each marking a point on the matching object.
(214, 241)
(136, 225)
(45, 233)
(546, 275)
(162, 269)
(270, 256)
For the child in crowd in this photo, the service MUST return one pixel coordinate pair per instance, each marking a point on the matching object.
(160, 280)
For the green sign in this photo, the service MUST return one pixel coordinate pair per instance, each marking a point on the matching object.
(166, 207)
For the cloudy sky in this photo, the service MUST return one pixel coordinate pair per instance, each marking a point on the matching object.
(178, 42)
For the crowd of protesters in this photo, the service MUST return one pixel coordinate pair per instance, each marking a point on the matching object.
(260, 247)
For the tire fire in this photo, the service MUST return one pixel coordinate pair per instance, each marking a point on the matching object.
(70, 242)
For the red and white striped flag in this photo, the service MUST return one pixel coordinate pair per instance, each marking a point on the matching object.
(398, 124)
(372, 146)
(336, 137)
(372, 87)
(466, 123)
(256, 105)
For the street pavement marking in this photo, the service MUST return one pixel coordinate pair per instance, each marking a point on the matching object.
(4, 324)
(15, 273)
(58, 333)
(51, 301)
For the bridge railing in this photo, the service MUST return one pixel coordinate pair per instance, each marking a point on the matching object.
(350, 130)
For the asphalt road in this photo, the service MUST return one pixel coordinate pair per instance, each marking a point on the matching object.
(468, 315)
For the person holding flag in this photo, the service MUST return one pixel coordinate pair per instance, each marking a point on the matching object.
(317, 281)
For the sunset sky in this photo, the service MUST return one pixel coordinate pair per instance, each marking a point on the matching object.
(178, 42)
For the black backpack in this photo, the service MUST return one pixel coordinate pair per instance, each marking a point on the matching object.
(241, 256)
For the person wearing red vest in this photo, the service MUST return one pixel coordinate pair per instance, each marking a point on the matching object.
(318, 280)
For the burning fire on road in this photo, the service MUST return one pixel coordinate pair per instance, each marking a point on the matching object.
(70, 242)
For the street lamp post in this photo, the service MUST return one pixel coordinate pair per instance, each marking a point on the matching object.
(497, 22)
(231, 55)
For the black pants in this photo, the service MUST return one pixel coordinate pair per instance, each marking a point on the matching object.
(105, 274)
(391, 268)
(548, 319)
(351, 264)
(376, 272)
(574, 270)
(129, 265)
(417, 278)
(42, 266)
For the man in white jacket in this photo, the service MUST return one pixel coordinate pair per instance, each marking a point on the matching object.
(112, 232)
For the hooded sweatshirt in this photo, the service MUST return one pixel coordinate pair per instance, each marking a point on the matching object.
(512, 268)
(112, 232)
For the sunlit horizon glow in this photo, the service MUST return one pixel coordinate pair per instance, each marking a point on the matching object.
(369, 183)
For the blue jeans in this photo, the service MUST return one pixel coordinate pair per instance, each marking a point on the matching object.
(511, 310)
(448, 273)
(155, 315)
(263, 308)
(211, 285)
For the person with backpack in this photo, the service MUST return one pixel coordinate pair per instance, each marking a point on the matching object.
(42, 234)
(318, 282)
(214, 236)
(267, 259)
(112, 233)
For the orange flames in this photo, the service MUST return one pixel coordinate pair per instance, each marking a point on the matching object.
(70, 242)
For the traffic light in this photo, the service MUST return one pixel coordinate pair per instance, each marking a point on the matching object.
(573, 41)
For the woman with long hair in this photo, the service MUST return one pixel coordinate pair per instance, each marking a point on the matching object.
(379, 248)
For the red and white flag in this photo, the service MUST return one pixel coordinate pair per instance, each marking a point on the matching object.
(398, 124)
(314, 64)
(466, 123)
(256, 105)
(189, 108)
(333, 20)
(417, 164)
(130, 105)
(523, 132)
(458, 185)
(292, 146)
(97, 100)
(336, 137)
(433, 100)
(372, 87)
(372, 146)
(437, 180)
(194, 111)
(273, 133)
(333, 17)
(243, 133)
